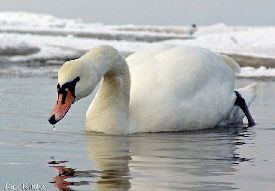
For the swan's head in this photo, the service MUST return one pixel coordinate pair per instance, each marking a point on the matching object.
(76, 80)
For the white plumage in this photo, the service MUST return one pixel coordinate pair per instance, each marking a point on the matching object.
(166, 88)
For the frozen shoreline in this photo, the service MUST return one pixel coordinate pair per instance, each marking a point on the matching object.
(29, 37)
(252, 61)
(38, 69)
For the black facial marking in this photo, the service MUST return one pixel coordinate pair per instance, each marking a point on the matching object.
(64, 97)
(70, 86)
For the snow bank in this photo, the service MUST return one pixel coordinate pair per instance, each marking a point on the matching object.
(29, 37)
(214, 29)
(12, 45)
(249, 41)
(60, 48)
(32, 20)
(29, 23)
(257, 72)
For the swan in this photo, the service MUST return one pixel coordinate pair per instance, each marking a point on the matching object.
(162, 88)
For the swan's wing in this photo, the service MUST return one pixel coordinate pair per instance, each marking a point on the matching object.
(189, 86)
(138, 57)
(231, 63)
(181, 71)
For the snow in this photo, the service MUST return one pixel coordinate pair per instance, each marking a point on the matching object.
(27, 37)
(257, 41)
(27, 20)
(61, 48)
(257, 72)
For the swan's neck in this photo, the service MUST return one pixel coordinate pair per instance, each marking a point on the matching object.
(109, 111)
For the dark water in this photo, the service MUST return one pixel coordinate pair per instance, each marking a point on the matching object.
(32, 154)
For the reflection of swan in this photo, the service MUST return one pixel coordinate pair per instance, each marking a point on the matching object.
(181, 161)
(111, 156)
(200, 160)
(173, 88)
(63, 180)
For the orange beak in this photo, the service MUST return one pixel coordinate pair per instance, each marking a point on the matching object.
(64, 102)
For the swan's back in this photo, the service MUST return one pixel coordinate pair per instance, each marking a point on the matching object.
(178, 88)
(149, 53)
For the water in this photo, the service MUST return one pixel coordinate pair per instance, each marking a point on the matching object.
(32, 154)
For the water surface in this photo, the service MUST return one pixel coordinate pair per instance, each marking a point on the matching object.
(228, 158)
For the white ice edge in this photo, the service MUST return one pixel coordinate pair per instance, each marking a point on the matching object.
(257, 72)
(31, 46)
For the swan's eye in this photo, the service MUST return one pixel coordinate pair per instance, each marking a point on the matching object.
(67, 87)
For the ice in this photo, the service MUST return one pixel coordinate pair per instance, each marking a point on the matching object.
(257, 72)
(28, 37)
(215, 29)
(24, 20)
(253, 41)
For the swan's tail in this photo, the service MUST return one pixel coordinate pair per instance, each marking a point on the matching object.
(231, 63)
(237, 115)
(248, 93)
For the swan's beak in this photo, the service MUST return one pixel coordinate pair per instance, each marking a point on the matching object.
(64, 102)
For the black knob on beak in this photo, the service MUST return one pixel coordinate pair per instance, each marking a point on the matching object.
(52, 120)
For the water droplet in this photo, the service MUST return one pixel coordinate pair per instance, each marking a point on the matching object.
(54, 127)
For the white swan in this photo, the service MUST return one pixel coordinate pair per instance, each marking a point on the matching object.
(165, 88)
